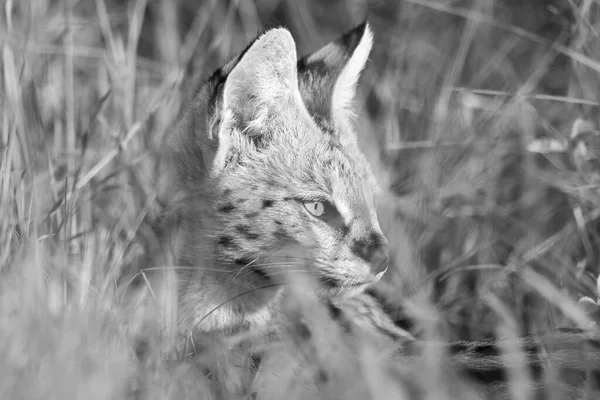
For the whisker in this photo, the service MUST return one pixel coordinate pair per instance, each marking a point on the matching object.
(287, 265)
(305, 261)
(166, 268)
(237, 297)
(242, 269)
(248, 273)
(279, 273)
(276, 265)
(186, 268)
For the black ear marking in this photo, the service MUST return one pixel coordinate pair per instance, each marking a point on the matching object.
(321, 71)
(349, 41)
(313, 75)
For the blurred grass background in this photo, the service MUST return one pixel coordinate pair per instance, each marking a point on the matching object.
(480, 116)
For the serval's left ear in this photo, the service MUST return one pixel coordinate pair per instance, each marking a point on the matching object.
(328, 77)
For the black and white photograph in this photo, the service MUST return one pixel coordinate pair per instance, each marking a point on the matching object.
(300, 199)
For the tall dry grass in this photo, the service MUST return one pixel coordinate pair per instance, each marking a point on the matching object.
(481, 117)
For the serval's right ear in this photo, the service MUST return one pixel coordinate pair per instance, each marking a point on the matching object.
(259, 84)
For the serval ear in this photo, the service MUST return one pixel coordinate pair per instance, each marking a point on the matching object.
(257, 86)
(328, 77)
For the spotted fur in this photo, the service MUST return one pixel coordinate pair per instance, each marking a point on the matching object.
(265, 134)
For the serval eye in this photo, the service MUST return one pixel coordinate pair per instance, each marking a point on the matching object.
(316, 208)
(326, 212)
